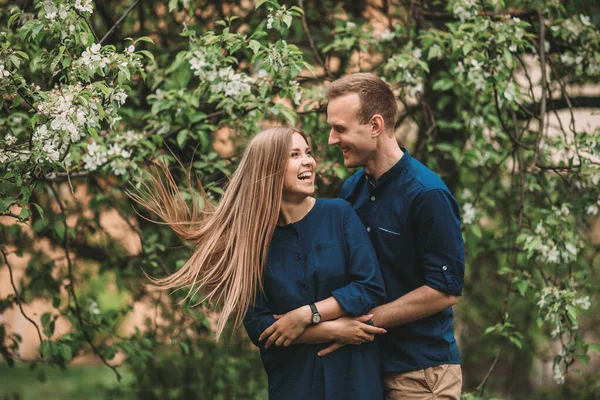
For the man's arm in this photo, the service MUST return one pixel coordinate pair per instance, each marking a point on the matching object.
(420, 303)
(346, 329)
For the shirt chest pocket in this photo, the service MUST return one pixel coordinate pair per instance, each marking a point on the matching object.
(329, 261)
(392, 242)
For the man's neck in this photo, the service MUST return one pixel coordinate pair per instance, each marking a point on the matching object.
(387, 155)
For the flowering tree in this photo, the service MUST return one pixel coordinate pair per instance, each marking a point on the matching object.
(90, 98)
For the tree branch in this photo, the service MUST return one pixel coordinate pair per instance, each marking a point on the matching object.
(311, 41)
(111, 30)
(71, 286)
(542, 114)
(17, 297)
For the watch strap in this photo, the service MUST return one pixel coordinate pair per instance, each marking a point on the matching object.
(313, 308)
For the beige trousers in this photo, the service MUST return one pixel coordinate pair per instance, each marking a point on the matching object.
(440, 382)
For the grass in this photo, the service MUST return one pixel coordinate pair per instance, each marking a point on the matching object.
(76, 382)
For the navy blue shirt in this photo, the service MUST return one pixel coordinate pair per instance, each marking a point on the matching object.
(413, 221)
(327, 253)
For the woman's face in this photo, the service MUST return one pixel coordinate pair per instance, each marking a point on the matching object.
(299, 179)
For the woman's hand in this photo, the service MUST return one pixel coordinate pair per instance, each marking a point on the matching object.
(287, 328)
(352, 331)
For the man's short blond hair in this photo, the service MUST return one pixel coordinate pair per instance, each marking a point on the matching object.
(375, 97)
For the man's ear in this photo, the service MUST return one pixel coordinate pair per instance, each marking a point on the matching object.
(377, 125)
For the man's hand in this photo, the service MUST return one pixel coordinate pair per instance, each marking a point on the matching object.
(352, 331)
(287, 328)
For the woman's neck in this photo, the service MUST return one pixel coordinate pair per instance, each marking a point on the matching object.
(293, 211)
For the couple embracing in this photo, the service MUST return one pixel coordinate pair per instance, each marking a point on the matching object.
(346, 298)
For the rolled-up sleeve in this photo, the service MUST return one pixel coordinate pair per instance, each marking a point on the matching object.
(365, 289)
(439, 238)
(258, 318)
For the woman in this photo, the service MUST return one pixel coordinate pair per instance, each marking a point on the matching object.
(270, 248)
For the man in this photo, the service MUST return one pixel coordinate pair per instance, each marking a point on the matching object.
(413, 221)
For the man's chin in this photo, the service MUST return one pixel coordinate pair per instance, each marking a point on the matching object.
(351, 163)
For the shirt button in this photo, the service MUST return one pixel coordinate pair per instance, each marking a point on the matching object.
(298, 258)
(372, 198)
(368, 229)
(444, 268)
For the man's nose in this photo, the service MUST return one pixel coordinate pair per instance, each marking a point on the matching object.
(333, 138)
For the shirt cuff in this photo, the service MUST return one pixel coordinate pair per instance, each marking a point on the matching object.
(445, 282)
(353, 304)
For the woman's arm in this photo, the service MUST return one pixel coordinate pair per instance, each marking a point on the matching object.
(347, 329)
(258, 318)
(292, 324)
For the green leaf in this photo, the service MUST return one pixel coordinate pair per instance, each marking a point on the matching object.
(22, 54)
(6, 202)
(59, 228)
(46, 318)
(40, 225)
(24, 214)
(12, 19)
(65, 351)
(260, 3)
(310, 68)
(147, 54)
(254, 45)
(46, 348)
(584, 359)
(288, 20)
(102, 87)
(182, 138)
(594, 347)
(522, 287)
(172, 5)
(489, 330)
(39, 209)
(516, 342)
(144, 39)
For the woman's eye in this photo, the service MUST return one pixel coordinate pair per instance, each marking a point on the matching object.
(294, 154)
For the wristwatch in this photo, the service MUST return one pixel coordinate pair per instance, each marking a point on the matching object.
(316, 317)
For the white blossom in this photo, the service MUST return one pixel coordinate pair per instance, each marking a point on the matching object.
(513, 47)
(120, 96)
(592, 210)
(10, 139)
(386, 35)
(583, 302)
(553, 256)
(585, 20)
(468, 213)
(63, 12)
(93, 308)
(559, 376)
(4, 73)
(350, 26)
(460, 68)
(50, 10)
(84, 6)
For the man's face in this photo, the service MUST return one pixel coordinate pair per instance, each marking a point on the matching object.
(354, 139)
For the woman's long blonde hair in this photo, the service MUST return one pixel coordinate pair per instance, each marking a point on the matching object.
(231, 239)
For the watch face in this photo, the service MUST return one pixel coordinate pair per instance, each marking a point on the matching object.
(316, 318)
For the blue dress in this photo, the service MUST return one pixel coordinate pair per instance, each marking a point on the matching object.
(327, 253)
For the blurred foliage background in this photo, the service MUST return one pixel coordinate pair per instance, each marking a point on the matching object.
(498, 97)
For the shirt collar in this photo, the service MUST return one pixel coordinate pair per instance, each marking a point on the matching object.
(392, 172)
